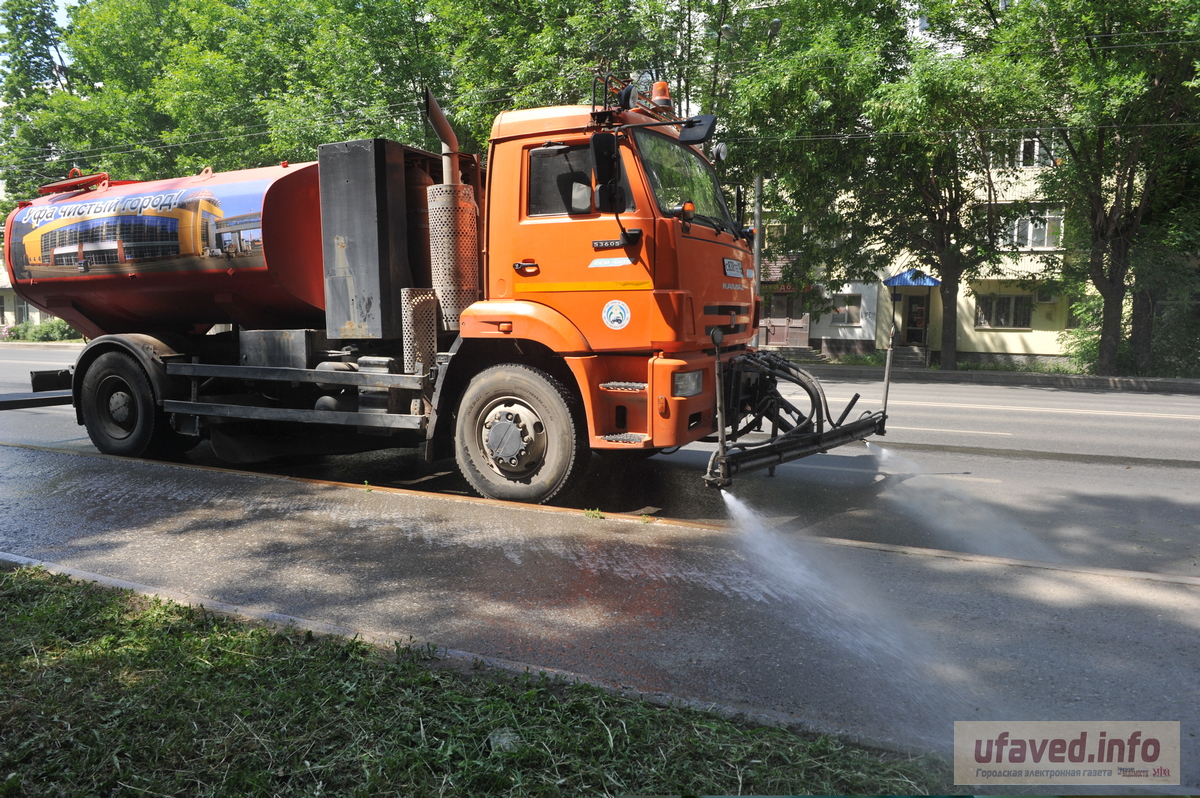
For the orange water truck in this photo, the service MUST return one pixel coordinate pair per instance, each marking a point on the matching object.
(590, 291)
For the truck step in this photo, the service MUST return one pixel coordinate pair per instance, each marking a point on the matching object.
(626, 437)
(631, 387)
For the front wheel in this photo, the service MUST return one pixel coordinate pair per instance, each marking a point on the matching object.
(520, 435)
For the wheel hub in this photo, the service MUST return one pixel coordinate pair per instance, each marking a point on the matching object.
(119, 406)
(513, 438)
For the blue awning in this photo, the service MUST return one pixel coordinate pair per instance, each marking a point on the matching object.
(911, 277)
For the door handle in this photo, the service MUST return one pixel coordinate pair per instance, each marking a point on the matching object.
(528, 268)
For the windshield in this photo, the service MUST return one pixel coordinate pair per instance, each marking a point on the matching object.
(678, 174)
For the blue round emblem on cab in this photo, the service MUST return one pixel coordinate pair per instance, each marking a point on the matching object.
(616, 315)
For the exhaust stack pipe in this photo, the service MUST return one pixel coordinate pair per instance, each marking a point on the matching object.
(445, 134)
(453, 227)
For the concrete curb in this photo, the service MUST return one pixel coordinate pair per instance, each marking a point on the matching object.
(1071, 382)
(466, 663)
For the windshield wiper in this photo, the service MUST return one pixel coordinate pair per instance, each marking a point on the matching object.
(716, 223)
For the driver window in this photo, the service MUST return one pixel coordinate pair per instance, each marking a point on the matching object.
(562, 184)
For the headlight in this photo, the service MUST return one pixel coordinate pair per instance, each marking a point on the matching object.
(687, 383)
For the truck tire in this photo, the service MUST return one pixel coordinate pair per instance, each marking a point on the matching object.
(120, 412)
(520, 435)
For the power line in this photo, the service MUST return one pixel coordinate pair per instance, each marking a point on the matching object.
(866, 135)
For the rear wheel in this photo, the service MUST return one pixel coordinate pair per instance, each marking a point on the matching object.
(520, 435)
(120, 413)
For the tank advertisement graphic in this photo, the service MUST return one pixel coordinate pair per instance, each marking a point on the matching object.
(196, 228)
(1066, 752)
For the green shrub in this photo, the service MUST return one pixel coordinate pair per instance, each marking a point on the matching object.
(1175, 351)
(876, 358)
(52, 330)
(1082, 344)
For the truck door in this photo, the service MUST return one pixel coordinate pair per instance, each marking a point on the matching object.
(550, 246)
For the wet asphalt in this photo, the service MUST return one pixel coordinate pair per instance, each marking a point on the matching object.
(889, 646)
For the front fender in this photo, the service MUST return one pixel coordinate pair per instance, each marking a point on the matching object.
(509, 319)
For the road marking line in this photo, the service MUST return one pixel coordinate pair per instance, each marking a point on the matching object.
(963, 431)
(1071, 410)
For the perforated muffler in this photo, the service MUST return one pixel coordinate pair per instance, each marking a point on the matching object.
(454, 249)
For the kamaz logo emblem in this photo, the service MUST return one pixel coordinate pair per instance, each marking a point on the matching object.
(733, 286)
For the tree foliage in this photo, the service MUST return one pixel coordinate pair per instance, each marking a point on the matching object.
(888, 140)
(1110, 85)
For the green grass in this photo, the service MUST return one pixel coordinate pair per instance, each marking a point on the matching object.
(103, 692)
(877, 358)
(1032, 367)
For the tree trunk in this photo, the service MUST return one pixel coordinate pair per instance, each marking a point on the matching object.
(948, 291)
(1110, 334)
(1111, 285)
(1141, 331)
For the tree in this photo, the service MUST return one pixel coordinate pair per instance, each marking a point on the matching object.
(795, 105)
(31, 68)
(533, 53)
(1111, 80)
(888, 151)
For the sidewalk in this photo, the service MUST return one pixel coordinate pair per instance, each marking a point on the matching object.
(1071, 382)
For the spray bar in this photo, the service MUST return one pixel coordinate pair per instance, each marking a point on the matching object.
(750, 397)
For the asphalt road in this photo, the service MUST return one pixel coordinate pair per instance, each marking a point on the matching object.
(758, 614)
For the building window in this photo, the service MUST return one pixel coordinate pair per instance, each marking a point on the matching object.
(847, 309)
(1004, 310)
(1036, 151)
(1031, 150)
(1042, 230)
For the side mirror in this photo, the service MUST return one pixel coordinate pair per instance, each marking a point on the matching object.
(739, 204)
(698, 129)
(610, 198)
(606, 165)
(606, 158)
